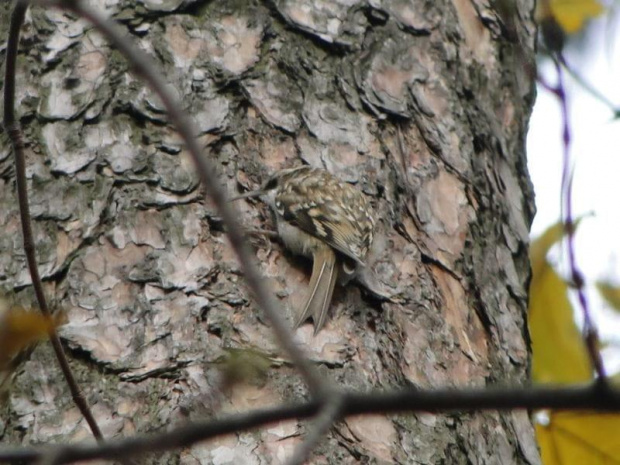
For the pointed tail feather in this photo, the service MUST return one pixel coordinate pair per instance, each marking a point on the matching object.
(321, 288)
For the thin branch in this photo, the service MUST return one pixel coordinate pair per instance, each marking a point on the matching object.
(591, 397)
(598, 95)
(589, 328)
(143, 68)
(15, 135)
(329, 414)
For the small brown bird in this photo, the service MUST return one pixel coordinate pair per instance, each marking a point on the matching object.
(321, 217)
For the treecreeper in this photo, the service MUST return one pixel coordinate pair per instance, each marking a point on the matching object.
(323, 218)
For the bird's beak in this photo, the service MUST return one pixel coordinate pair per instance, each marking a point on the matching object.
(247, 195)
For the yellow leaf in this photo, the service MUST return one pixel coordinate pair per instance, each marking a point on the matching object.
(20, 328)
(243, 365)
(560, 356)
(610, 293)
(572, 14)
(559, 352)
(541, 246)
(579, 438)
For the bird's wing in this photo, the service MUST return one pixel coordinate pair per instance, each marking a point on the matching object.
(342, 223)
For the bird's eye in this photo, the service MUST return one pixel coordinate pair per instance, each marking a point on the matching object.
(271, 184)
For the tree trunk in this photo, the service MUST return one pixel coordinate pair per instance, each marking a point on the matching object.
(423, 105)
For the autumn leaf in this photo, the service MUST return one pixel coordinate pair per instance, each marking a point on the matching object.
(541, 246)
(19, 328)
(559, 352)
(570, 15)
(243, 365)
(610, 293)
(560, 356)
(579, 438)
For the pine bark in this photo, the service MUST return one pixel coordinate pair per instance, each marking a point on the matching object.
(423, 105)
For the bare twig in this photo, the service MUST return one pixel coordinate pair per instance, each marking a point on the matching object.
(15, 135)
(598, 95)
(143, 68)
(589, 328)
(591, 397)
(329, 414)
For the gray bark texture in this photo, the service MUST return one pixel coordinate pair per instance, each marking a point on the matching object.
(424, 105)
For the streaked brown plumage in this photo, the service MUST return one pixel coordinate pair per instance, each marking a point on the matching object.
(322, 217)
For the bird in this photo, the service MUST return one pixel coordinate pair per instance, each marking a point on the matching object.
(320, 217)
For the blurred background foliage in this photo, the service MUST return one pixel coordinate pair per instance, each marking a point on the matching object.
(560, 354)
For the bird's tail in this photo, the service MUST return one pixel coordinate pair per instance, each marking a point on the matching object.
(321, 288)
